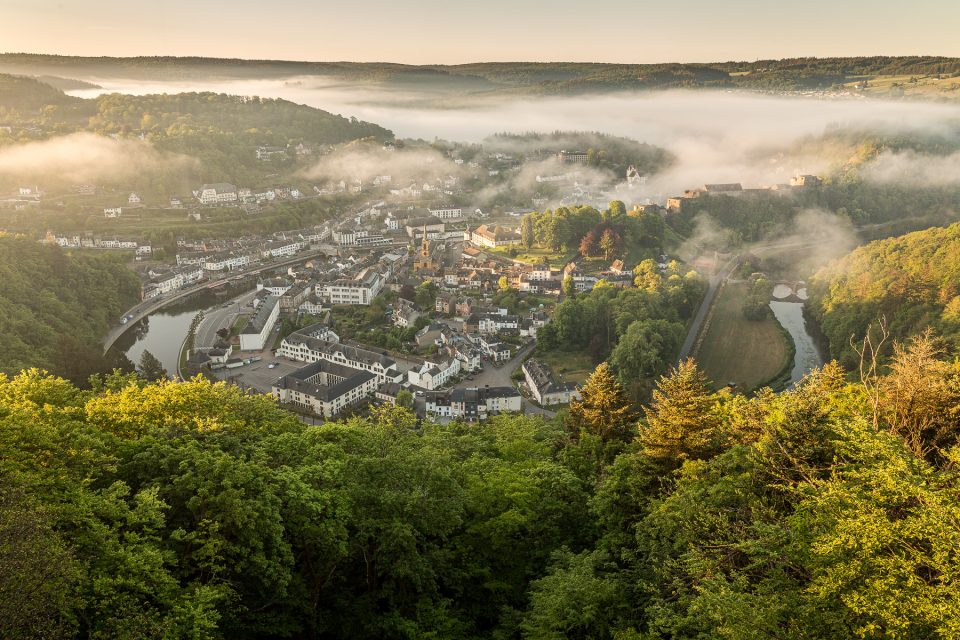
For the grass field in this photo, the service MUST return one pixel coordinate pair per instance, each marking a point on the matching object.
(572, 366)
(749, 353)
(928, 86)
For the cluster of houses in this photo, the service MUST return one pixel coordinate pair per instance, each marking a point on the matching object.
(338, 375)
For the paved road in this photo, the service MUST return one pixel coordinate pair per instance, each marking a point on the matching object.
(221, 317)
(500, 377)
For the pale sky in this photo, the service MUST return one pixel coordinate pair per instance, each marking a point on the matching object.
(445, 31)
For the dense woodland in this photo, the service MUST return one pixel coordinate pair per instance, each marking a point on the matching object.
(190, 510)
(911, 282)
(640, 329)
(56, 306)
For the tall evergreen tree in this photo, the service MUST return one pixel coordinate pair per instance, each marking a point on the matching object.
(150, 367)
(527, 235)
(604, 410)
(681, 424)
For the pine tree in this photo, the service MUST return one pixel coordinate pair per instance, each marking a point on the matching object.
(681, 423)
(604, 410)
(150, 367)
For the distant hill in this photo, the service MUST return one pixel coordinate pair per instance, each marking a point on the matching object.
(28, 95)
(923, 75)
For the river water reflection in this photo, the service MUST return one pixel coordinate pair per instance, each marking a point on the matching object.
(807, 357)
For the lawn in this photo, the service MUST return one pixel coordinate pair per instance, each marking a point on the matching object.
(746, 352)
(536, 254)
(573, 366)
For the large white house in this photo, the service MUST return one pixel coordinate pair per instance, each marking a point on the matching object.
(312, 344)
(433, 375)
(446, 212)
(544, 388)
(491, 237)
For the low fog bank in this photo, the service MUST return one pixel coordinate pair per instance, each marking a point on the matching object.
(86, 157)
(715, 136)
(813, 238)
(914, 169)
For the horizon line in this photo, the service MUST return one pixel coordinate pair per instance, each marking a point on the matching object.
(473, 62)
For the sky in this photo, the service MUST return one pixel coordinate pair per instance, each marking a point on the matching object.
(444, 32)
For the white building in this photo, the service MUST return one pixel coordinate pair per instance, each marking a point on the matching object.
(305, 346)
(217, 193)
(431, 375)
(544, 388)
(361, 290)
(112, 212)
(491, 237)
(281, 248)
(490, 323)
(226, 261)
(325, 388)
(473, 403)
(446, 212)
(256, 334)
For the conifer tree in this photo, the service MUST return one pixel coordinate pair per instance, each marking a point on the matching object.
(150, 367)
(681, 423)
(604, 410)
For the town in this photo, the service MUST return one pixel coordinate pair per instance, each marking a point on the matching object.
(450, 318)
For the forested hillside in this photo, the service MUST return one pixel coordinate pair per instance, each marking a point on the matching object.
(55, 307)
(788, 74)
(911, 281)
(22, 94)
(189, 509)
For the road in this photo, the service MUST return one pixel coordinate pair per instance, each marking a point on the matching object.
(219, 318)
(500, 377)
(712, 285)
(146, 307)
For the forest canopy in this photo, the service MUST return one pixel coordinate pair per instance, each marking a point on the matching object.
(56, 306)
(189, 509)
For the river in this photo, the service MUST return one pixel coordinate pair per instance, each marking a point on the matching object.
(807, 357)
(162, 333)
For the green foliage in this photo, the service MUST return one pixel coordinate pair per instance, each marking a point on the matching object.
(911, 281)
(56, 306)
(682, 422)
(639, 329)
(150, 367)
(190, 509)
(604, 410)
(756, 305)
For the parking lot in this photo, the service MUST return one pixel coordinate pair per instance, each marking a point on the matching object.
(258, 375)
